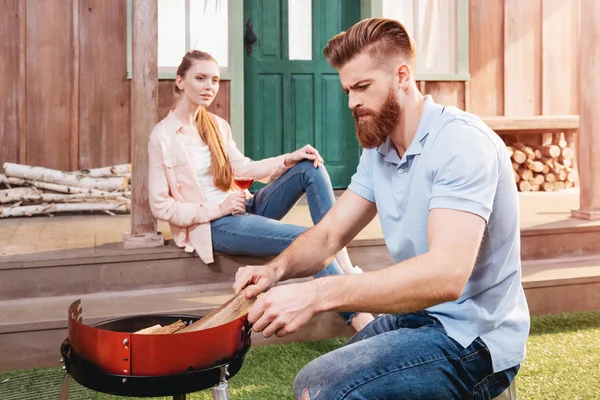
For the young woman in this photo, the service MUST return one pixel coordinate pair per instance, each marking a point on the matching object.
(193, 162)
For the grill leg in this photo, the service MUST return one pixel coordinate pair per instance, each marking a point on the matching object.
(221, 391)
(65, 388)
(180, 397)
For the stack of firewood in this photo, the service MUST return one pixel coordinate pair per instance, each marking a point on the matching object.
(30, 190)
(545, 167)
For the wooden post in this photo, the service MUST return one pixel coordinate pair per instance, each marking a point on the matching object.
(144, 115)
(588, 146)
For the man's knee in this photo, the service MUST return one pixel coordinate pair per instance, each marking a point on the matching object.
(309, 381)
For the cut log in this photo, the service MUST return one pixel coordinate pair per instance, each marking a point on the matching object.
(115, 170)
(63, 178)
(517, 176)
(516, 166)
(569, 184)
(59, 198)
(562, 175)
(558, 185)
(14, 194)
(510, 150)
(551, 151)
(62, 188)
(546, 170)
(567, 163)
(525, 173)
(562, 142)
(524, 186)
(527, 150)
(26, 211)
(535, 166)
(535, 188)
(547, 187)
(538, 154)
(550, 177)
(567, 153)
(519, 157)
(572, 175)
(538, 179)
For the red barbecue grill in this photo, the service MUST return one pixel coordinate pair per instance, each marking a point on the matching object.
(108, 357)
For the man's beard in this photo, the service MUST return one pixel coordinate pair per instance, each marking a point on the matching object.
(374, 131)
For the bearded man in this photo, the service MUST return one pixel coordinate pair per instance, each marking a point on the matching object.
(454, 319)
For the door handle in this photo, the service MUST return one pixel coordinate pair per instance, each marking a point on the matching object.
(249, 37)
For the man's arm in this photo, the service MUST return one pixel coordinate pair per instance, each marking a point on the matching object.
(465, 167)
(432, 278)
(311, 251)
(314, 249)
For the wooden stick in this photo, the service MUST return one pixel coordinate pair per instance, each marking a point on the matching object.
(172, 328)
(26, 211)
(234, 308)
(63, 178)
(149, 330)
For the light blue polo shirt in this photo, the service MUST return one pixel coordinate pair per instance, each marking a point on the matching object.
(455, 161)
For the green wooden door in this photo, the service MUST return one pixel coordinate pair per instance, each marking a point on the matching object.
(292, 102)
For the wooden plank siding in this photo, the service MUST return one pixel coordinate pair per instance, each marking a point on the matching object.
(66, 97)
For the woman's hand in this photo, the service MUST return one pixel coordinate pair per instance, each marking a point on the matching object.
(235, 203)
(305, 153)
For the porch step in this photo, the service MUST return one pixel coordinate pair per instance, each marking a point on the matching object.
(110, 268)
(31, 330)
(562, 284)
(560, 240)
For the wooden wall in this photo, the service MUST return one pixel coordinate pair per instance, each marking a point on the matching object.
(523, 58)
(64, 92)
(65, 96)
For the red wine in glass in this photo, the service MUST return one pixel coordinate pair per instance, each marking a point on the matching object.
(243, 182)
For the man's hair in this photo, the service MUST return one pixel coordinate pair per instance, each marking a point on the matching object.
(381, 37)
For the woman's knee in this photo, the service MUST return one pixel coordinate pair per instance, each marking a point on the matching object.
(307, 167)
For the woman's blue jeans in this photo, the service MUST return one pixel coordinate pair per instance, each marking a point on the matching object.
(261, 233)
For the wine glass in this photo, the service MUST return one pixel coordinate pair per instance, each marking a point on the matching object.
(242, 182)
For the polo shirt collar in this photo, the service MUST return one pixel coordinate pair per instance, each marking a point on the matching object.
(430, 111)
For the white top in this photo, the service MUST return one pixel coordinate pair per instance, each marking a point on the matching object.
(200, 157)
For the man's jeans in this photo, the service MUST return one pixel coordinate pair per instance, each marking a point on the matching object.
(260, 233)
(403, 356)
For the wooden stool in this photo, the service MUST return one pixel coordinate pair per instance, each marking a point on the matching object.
(509, 394)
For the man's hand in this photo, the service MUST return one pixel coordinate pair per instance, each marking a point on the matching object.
(284, 309)
(256, 279)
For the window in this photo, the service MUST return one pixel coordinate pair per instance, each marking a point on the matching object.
(440, 31)
(300, 29)
(185, 25)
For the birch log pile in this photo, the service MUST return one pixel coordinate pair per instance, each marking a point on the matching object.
(30, 190)
(543, 168)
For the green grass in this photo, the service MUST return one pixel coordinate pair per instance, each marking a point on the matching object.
(563, 362)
